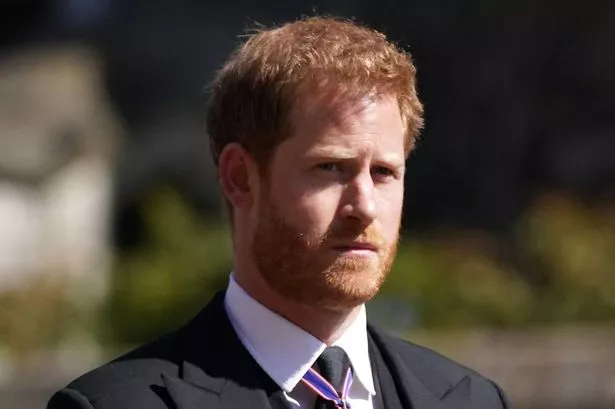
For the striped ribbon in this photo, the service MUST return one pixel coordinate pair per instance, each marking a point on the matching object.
(325, 390)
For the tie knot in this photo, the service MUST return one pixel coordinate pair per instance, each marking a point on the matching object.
(332, 365)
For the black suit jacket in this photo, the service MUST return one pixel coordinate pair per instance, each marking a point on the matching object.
(204, 365)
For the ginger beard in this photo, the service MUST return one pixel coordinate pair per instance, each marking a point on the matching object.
(303, 266)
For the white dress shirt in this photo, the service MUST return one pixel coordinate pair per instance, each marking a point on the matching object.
(286, 352)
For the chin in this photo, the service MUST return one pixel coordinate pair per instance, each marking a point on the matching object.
(344, 293)
(333, 284)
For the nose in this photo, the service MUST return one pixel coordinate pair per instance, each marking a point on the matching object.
(359, 199)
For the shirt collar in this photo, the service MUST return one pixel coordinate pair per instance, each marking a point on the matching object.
(286, 351)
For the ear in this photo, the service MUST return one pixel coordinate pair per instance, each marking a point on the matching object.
(238, 175)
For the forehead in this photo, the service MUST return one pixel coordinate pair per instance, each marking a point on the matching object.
(331, 119)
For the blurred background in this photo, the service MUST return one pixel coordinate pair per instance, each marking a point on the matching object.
(111, 223)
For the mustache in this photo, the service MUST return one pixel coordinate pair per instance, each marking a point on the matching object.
(355, 232)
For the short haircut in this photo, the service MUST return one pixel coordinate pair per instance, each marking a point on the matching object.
(257, 89)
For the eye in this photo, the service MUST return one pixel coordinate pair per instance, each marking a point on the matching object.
(329, 167)
(383, 171)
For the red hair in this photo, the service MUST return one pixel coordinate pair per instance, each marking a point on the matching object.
(259, 87)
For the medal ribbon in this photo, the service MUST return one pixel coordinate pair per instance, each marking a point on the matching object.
(325, 390)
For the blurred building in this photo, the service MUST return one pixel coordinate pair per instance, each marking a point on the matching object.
(57, 143)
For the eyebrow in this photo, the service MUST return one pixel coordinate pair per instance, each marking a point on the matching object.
(337, 153)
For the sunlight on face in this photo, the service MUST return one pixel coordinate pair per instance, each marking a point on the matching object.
(329, 214)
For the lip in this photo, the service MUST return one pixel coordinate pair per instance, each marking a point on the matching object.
(356, 246)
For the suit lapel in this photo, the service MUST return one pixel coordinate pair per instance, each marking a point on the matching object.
(188, 395)
(217, 371)
(417, 383)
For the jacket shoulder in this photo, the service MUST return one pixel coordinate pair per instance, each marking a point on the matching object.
(441, 374)
(427, 359)
(132, 380)
(135, 379)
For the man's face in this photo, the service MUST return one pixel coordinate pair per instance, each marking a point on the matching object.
(328, 216)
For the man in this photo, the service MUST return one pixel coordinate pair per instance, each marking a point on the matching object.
(310, 125)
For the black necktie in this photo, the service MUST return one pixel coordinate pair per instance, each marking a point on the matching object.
(332, 365)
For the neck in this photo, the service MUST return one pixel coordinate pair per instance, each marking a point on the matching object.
(326, 325)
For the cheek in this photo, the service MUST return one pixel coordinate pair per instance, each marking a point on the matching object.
(391, 205)
(317, 210)
(306, 207)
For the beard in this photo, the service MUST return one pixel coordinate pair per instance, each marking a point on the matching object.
(304, 267)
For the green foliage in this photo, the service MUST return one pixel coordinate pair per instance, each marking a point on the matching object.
(37, 315)
(453, 282)
(576, 244)
(170, 277)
